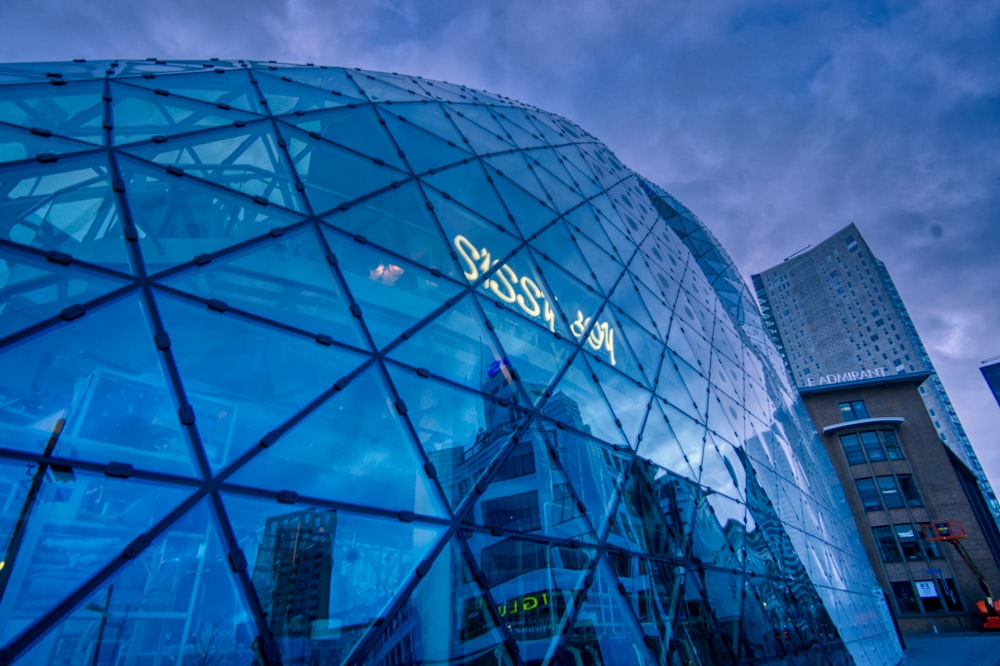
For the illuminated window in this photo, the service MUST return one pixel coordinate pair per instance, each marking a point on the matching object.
(853, 410)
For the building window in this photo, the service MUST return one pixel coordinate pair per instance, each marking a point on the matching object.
(875, 445)
(520, 462)
(853, 410)
(509, 559)
(888, 492)
(887, 547)
(906, 600)
(514, 512)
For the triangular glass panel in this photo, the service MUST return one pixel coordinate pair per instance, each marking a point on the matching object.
(375, 88)
(246, 160)
(399, 220)
(629, 401)
(357, 129)
(639, 524)
(447, 619)
(585, 221)
(605, 267)
(234, 92)
(42, 71)
(324, 576)
(697, 386)
(578, 310)
(139, 114)
(654, 589)
(156, 67)
(558, 243)
(433, 118)
(562, 196)
(605, 630)
(456, 345)
(595, 469)
(67, 206)
(423, 149)
(637, 353)
(462, 432)
(534, 353)
(21, 143)
(178, 219)
(286, 279)
(515, 166)
(332, 175)
(93, 389)
(329, 79)
(479, 139)
(518, 128)
(34, 290)
(533, 585)
(77, 522)
(661, 445)
(392, 294)
(689, 436)
(627, 297)
(287, 96)
(243, 379)
(178, 600)
(584, 400)
(76, 110)
(354, 448)
(530, 213)
(470, 186)
(478, 243)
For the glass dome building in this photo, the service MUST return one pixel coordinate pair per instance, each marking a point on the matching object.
(306, 365)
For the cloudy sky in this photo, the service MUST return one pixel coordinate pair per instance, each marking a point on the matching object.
(778, 123)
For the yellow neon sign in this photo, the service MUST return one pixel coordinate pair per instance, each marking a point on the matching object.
(525, 293)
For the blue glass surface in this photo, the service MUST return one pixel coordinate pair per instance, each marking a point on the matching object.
(324, 366)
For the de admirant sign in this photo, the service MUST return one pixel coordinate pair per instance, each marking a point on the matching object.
(850, 376)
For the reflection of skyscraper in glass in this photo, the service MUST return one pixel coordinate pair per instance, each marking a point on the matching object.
(292, 573)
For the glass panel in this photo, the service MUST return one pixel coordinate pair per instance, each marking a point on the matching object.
(531, 214)
(869, 496)
(66, 206)
(393, 294)
(890, 492)
(454, 622)
(629, 402)
(595, 469)
(285, 96)
(246, 160)
(869, 439)
(605, 630)
(205, 86)
(287, 279)
(244, 379)
(543, 502)
(533, 586)
(468, 185)
(891, 444)
(20, 143)
(353, 448)
(333, 175)
(852, 449)
(479, 243)
(886, 544)
(399, 221)
(70, 524)
(351, 568)
(180, 218)
(357, 129)
(423, 149)
(138, 114)
(328, 79)
(661, 445)
(75, 111)
(906, 601)
(93, 389)
(909, 542)
(33, 290)
(908, 490)
(461, 432)
(578, 403)
(457, 345)
(480, 139)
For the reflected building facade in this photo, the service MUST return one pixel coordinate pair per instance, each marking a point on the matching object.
(307, 365)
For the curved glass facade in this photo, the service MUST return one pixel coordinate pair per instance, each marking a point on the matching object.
(311, 365)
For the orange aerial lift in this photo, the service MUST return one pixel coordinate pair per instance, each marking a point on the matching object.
(953, 532)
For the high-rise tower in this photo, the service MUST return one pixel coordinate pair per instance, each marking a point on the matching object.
(836, 316)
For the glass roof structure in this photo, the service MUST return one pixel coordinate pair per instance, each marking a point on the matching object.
(308, 365)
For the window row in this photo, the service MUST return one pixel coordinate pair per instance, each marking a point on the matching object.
(888, 492)
(900, 542)
(873, 445)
